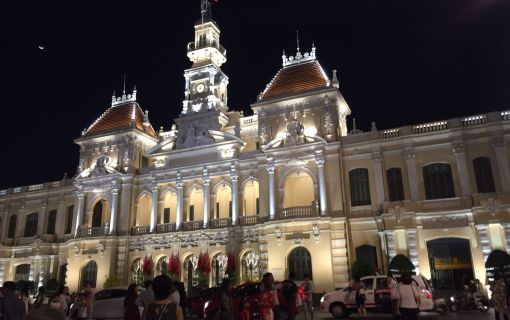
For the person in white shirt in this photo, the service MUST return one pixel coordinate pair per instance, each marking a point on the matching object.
(408, 299)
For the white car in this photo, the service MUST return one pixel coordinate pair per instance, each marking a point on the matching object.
(341, 302)
(109, 304)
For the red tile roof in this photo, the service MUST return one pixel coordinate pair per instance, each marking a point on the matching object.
(296, 79)
(123, 116)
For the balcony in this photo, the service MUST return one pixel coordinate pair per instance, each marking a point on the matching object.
(192, 46)
(191, 225)
(249, 220)
(138, 230)
(165, 227)
(297, 212)
(220, 223)
(84, 231)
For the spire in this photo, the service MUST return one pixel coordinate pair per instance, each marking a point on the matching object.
(205, 10)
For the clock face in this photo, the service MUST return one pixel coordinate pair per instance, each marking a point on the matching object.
(200, 88)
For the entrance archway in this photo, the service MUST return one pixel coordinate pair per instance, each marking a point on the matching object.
(89, 273)
(300, 262)
(451, 264)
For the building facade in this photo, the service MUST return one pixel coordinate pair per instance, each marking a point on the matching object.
(285, 189)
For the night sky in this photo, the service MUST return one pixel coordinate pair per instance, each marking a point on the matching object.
(399, 63)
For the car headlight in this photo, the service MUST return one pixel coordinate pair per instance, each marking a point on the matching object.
(452, 299)
(206, 305)
(322, 299)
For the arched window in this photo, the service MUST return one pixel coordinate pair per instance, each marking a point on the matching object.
(367, 254)
(395, 185)
(218, 268)
(196, 205)
(483, 175)
(97, 214)
(251, 198)
(31, 224)
(143, 214)
(22, 272)
(360, 187)
(169, 208)
(299, 190)
(300, 262)
(69, 219)
(190, 274)
(52, 220)
(137, 275)
(250, 266)
(162, 266)
(89, 273)
(223, 207)
(12, 227)
(438, 181)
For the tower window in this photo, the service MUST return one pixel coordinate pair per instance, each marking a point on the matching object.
(438, 181)
(360, 187)
(395, 185)
(483, 175)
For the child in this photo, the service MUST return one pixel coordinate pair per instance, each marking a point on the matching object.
(245, 310)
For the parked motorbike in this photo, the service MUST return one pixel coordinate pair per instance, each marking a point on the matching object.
(462, 301)
(441, 306)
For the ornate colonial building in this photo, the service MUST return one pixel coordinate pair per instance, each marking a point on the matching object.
(287, 188)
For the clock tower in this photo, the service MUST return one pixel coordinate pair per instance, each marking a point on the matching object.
(205, 96)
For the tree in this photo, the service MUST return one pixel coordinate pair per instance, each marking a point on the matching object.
(401, 264)
(361, 269)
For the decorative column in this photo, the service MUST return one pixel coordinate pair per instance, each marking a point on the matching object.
(412, 174)
(113, 212)
(501, 158)
(320, 160)
(483, 240)
(5, 223)
(379, 180)
(235, 193)
(205, 179)
(384, 251)
(272, 196)
(390, 243)
(412, 246)
(460, 156)
(79, 211)
(42, 217)
(61, 217)
(178, 216)
(154, 208)
(506, 228)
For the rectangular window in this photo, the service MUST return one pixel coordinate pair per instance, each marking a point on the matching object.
(52, 220)
(12, 227)
(191, 213)
(230, 209)
(69, 219)
(166, 215)
(360, 187)
(257, 206)
(395, 185)
(217, 211)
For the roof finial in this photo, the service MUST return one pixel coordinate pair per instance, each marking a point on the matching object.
(297, 39)
(124, 88)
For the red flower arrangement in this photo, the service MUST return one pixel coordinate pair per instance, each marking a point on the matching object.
(204, 264)
(174, 265)
(147, 265)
